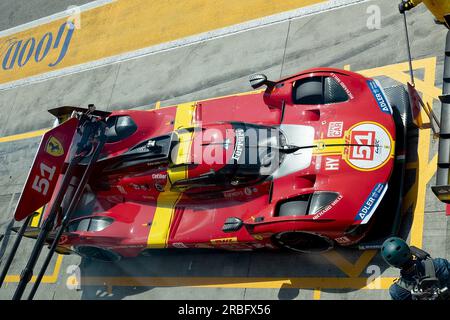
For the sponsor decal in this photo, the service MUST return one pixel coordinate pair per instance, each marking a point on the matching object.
(233, 194)
(122, 190)
(371, 203)
(54, 147)
(240, 193)
(335, 129)
(179, 245)
(239, 146)
(144, 187)
(331, 164)
(38, 50)
(327, 208)
(224, 240)
(318, 162)
(371, 146)
(226, 144)
(342, 240)
(380, 96)
(141, 149)
(159, 176)
(338, 80)
(258, 237)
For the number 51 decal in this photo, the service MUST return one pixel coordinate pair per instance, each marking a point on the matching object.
(362, 142)
(42, 182)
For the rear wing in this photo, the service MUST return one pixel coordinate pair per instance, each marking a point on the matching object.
(442, 187)
(46, 168)
(57, 146)
(63, 113)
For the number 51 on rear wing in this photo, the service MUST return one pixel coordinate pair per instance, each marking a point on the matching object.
(47, 166)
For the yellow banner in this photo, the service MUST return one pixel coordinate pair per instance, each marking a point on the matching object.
(124, 26)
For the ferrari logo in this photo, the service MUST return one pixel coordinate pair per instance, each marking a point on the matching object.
(54, 147)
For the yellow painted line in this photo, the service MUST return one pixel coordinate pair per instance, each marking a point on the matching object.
(316, 294)
(126, 26)
(352, 270)
(239, 283)
(53, 278)
(23, 136)
(160, 229)
(425, 169)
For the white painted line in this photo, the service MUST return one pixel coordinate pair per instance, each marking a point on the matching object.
(206, 36)
(53, 17)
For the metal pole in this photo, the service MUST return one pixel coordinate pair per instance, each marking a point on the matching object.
(14, 249)
(443, 171)
(408, 47)
(27, 272)
(67, 216)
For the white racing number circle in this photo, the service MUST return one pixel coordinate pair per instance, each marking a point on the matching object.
(370, 148)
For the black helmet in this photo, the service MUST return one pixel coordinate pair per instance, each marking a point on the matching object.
(396, 252)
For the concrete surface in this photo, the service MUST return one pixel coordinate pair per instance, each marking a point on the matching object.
(217, 67)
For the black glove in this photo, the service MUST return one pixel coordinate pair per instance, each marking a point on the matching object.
(405, 5)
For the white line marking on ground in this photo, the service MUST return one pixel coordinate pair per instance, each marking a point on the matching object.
(206, 36)
(53, 17)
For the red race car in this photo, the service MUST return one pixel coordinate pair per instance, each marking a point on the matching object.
(305, 164)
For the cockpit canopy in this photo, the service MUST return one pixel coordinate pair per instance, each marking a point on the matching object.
(244, 153)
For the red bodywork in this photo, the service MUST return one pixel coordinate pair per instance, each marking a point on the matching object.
(347, 148)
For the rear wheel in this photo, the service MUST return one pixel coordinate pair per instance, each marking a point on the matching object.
(99, 254)
(303, 242)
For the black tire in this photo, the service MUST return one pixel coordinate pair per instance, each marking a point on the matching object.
(304, 242)
(98, 254)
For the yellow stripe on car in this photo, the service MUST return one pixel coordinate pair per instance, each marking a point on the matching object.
(329, 146)
(166, 204)
(37, 218)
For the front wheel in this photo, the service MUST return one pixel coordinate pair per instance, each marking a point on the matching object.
(305, 242)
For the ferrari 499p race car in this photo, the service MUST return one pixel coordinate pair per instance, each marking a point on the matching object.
(305, 164)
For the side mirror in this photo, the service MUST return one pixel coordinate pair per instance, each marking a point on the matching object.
(259, 80)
